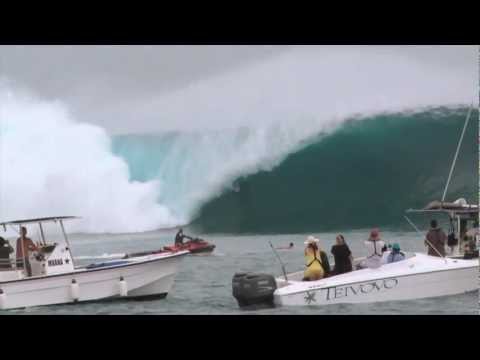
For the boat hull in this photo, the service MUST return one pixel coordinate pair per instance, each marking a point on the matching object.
(151, 276)
(393, 287)
(157, 289)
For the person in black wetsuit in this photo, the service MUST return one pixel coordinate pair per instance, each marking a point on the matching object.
(179, 237)
(290, 246)
(343, 256)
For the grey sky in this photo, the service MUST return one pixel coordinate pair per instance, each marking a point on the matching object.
(118, 87)
(99, 77)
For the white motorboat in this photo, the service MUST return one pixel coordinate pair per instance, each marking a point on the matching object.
(418, 276)
(49, 276)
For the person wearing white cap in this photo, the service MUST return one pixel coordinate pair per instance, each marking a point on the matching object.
(313, 262)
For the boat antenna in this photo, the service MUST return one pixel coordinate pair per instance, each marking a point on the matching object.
(456, 153)
(280, 260)
(420, 233)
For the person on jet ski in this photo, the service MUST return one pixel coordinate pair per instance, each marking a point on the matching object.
(180, 236)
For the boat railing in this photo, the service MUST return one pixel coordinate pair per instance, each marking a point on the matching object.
(298, 275)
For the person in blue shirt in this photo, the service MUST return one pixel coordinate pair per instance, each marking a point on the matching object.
(395, 255)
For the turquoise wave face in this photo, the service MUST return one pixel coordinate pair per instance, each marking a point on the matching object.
(364, 174)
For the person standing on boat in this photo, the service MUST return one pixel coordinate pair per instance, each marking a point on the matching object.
(343, 256)
(313, 262)
(24, 243)
(374, 246)
(435, 240)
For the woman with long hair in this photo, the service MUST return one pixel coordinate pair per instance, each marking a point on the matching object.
(343, 256)
(314, 268)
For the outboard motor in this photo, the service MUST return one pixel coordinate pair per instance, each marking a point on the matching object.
(253, 290)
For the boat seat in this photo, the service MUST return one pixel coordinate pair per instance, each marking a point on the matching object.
(6, 265)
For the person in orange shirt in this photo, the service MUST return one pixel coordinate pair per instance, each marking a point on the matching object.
(28, 245)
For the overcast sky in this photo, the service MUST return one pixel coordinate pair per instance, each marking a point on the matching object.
(116, 86)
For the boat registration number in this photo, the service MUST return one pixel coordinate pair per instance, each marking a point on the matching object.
(55, 262)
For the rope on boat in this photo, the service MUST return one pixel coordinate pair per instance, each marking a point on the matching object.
(456, 153)
(280, 260)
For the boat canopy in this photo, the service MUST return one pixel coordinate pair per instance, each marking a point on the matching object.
(38, 220)
(459, 206)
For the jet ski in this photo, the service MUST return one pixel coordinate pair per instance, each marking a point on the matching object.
(195, 246)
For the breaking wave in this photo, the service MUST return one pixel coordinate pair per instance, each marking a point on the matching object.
(307, 140)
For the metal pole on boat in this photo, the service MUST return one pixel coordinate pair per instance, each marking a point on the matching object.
(429, 243)
(67, 242)
(41, 233)
(456, 153)
(23, 252)
(280, 260)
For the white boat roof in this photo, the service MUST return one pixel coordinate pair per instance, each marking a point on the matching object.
(38, 220)
(473, 210)
(448, 207)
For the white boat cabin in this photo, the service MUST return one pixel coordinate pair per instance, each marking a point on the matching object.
(48, 256)
(463, 231)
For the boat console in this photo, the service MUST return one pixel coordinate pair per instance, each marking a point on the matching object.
(51, 259)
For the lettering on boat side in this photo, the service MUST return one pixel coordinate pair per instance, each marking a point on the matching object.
(338, 292)
(55, 262)
(310, 297)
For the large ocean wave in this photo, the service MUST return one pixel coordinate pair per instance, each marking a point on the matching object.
(365, 174)
(315, 138)
(354, 173)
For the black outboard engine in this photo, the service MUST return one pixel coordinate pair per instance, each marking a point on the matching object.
(254, 290)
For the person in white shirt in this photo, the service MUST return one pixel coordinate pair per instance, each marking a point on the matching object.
(374, 250)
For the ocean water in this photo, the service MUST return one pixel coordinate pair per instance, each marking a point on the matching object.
(203, 283)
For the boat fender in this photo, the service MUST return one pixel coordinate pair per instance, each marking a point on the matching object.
(3, 299)
(75, 290)
(122, 285)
